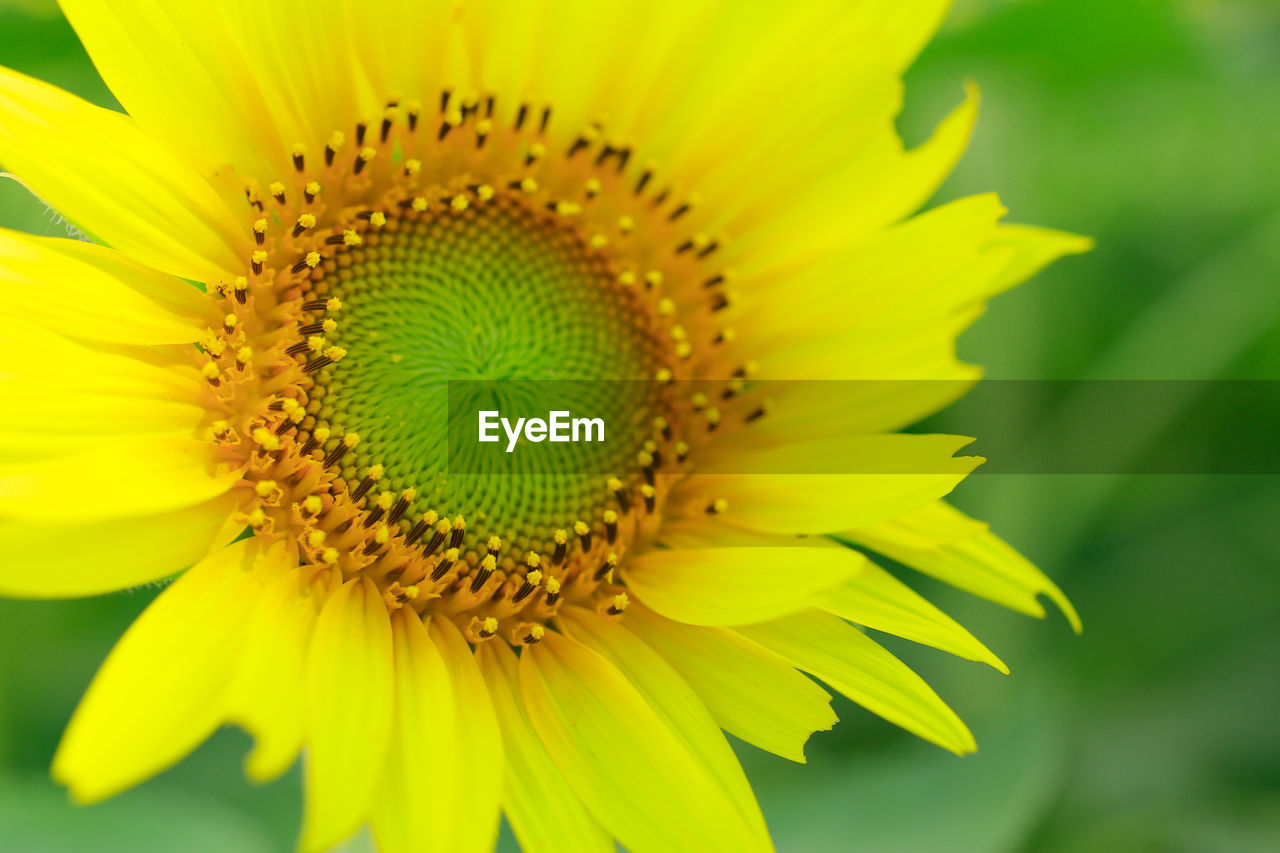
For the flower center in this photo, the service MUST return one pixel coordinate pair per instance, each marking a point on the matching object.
(493, 292)
(457, 248)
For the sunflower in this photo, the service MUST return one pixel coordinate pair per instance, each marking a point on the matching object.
(313, 216)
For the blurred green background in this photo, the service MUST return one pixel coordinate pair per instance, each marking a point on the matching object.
(1152, 126)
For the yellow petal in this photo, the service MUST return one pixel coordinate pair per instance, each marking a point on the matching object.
(807, 503)
(267, 692)
(179, 71)
(99, 170)
(42, 423)
(59, 559)
(852, 663)
(752, 692)
(1034, 248)
(415, 811)
(543, 811)
(889, 182)
(32, 354)
(941, 541)
(876, 599)
(133, 475)
(308, 100)
(617, 755)
(736, 586)
(473, 822)
(676, 704)
(93, 293)
(159, 693)
(349, 697)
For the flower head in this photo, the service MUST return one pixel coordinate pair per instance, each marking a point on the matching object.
(378, 198)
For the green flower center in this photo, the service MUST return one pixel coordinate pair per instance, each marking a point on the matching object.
(497, 293)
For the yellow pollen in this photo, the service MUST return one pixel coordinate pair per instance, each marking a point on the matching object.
(307, 220)
(459, 202)
(610, 516)
(568, 208)
(337, 139)
(260, 256)
(599, 241)
(534, 577)
(720, 504)
(378, 219)
(593, 186)
(532, 560)
(419, 204)
(663, 375)
(581, 528)
(537, 632)
(257, 518)
(485, 192)
(265, 487)
(313, 259)
(620, 603)
(626, 278)
(443, 526)
(625, 224)
(333, 304)
(684, 349)
(351, 238)
(335, 353)
(553, 586)
(484, 126)
(230, 321)
(382, 535)
(329, 555)
(367, 153)
(265, 438)
(351, 439)
(614, 484)
(385, 500)
(412, 167)
(529, 185)
(666, 307)
(312, 505)
(260, 226)
(494, 543)
(298, 150)
(561, 537)
(277, 188)
(490, 627)
(653, 278)
(313, 188)
(316, 537)
(537, 150)
(211, 371)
